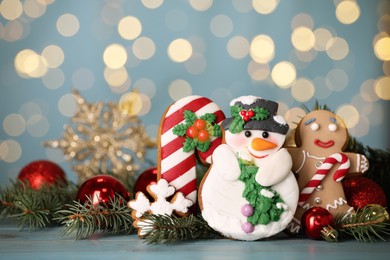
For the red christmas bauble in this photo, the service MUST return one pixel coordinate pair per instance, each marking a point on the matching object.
(314, 220)
(42, 172)
(101, 189)
(149, 176)
(361, 191)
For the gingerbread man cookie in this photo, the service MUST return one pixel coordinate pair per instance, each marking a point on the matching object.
(320, 164)
(249, 191)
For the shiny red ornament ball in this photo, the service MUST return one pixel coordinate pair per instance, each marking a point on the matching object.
(149, 176)
(42, 172)
(314, 220)
(101, 189)
(361, 191)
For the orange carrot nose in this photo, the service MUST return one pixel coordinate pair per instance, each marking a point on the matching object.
(259, 144)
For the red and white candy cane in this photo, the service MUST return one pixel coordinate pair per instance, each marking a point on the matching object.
(322, 171)
(175, 165)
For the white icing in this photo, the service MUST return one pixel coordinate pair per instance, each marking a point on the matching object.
(280, 120)
(314, 127)
(162, 190)
(245, 155)
(173, 159)
(179, 155)
(246, 100)
(332, 127)
(222, 198)
(267, 193)
(141, 204)
(186, 177)
(161, 206)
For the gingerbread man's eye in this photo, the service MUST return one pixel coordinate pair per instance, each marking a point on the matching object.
(332, 127)
(248, 134)
(314, 126)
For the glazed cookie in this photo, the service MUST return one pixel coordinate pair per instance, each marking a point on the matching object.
(162, 205)
(249, 191)
(320, 164)
(189, 130)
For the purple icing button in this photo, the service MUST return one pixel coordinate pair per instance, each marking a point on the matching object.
(247, 210)
(247, 227)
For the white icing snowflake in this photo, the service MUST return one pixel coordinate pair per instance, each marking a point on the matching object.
(160, 191)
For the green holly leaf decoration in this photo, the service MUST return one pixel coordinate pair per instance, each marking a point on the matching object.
(208, 117)
(180, 130)
(216, 131)
(203, 146)
(237, 125)
(189, 117)
(261, 113)
(189, 144)
(192, 142)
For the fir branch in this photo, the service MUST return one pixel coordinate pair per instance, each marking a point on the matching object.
(164, 229)
(368, 224)
(35, 208)
(85, 219)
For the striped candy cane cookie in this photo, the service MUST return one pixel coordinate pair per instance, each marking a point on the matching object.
(176, 164)
(322, 171)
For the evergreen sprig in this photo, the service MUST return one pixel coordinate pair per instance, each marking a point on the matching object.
(83, 220)
(369, 224)
(34, 208)
(164, 229)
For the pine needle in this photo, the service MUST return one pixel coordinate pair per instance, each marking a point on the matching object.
(164, 229)
(33, 208)
(368, 224)
(83, 220)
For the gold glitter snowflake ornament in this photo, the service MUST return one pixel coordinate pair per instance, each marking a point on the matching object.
(103, 139)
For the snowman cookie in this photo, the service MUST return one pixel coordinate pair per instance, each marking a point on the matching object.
(320, 164)
(249, 191)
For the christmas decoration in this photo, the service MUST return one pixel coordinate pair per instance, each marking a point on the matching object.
(249, 191)
(361, 191)
(198, 131)
(149, 176)
(56, 205)
(369, 224)
(314, 220)
(101, 189)
(162, 229)
(320, 164)
(42, 172)
(103, 139)
(164, 204)
(174, 164)
(83, 220)
(34, 208)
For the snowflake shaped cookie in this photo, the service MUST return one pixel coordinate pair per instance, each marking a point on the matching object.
(161, 206)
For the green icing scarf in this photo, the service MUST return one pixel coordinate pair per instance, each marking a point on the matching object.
(265, 207)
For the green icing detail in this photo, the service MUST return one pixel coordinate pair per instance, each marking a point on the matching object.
(237, 125)
(190, 144)
(265, 209)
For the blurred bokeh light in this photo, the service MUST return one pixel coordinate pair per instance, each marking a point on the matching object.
(146, 54)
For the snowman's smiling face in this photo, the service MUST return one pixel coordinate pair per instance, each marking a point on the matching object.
(258, 143)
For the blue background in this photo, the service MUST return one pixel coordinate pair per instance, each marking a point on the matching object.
(223, 78)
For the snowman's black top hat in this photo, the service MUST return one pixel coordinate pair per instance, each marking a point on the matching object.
(263, 116)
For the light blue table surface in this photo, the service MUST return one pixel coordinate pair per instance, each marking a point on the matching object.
(48, 244)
